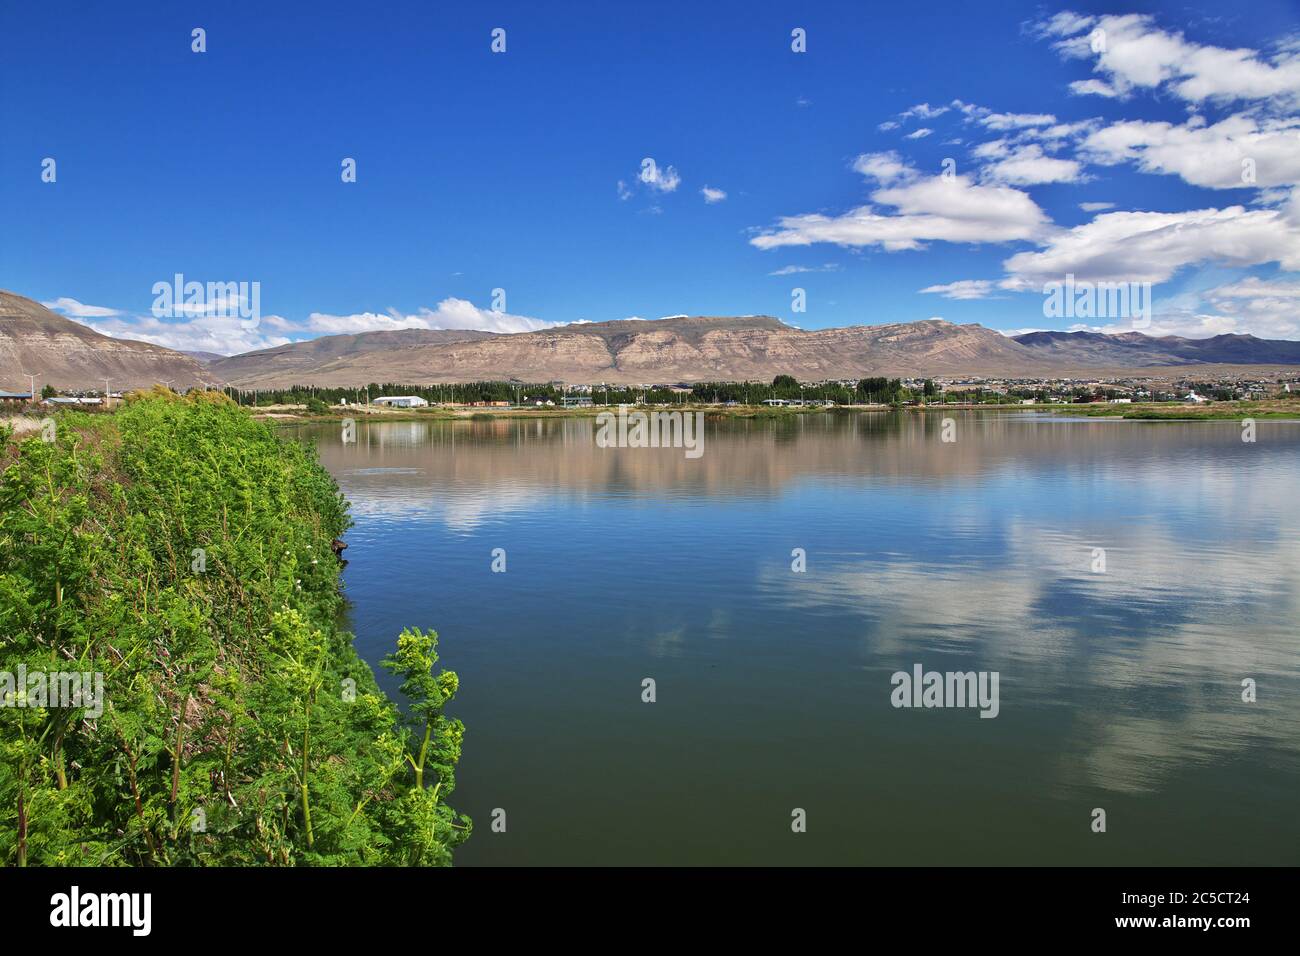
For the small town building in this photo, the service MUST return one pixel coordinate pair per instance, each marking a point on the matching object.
(71, 400)
(15, 398)
(401, 401)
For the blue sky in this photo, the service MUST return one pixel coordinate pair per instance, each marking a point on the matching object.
(525, 170)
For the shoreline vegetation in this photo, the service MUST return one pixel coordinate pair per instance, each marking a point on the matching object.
(1263, 409)
(180, 551)
(784, 396)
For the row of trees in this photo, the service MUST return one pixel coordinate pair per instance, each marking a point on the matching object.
(882, 391)
(182, 552)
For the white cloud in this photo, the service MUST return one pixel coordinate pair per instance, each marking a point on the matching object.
(79, 310)
(926, 208)
(1027, 165)
(450, 313)
(923, 111)
(623, 192)
(1093, 88)
(1063, 24)
(712, 195)
(1268, 308)
(795, 270)
(1188, 325)
(1096, 206)
(962, 289)
(919, 133)
(225, 335)
(1254, 287)
(1131, 52)
(661, 179)
(885, 168)
(1211, 156)
(1001, 121)
(1152, 246)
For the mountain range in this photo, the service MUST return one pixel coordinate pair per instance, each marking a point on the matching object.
(57, 351)
(693, 349)
(67, 354)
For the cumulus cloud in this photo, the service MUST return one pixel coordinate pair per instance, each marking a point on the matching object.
(1001, 121)
(225, 335)
(949, 209)
(1131, 52)
(1028, 165)
(1096, 206)
(883, 167)
(919, 133)
(712, 195)
(963, 289)
(450, 313)
(1266, 307)
(1239, 151)
(1152, 246)
(230, 335)
(1093, 88)
(79, 310)
(662, 179)
(795, 270)
(921, 111)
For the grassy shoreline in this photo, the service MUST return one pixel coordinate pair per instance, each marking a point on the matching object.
(1266, 409)
(179, 556)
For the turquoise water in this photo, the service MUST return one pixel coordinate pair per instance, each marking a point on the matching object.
(1119, 690)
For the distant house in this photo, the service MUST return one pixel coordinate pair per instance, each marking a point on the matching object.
(1121, 401)
(1193, 397)
(401, 401)
(71, 400)
(15, 398)
(576, 401)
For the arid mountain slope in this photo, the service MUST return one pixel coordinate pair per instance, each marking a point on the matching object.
(667, 350)
(316, 360)
(1135, 350)
(66, 354)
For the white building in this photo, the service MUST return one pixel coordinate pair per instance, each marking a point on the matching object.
(401, 401)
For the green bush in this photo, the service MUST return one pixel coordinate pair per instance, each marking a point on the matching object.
(182, 550)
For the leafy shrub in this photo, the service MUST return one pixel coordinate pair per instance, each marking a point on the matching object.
(183, 550)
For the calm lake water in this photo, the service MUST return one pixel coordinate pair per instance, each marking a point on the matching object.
(1119, 690)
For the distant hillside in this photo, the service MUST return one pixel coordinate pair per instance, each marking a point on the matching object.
(1135, 350)
(66, 354)
(683, 349)
(321, 360)
(680, 349)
